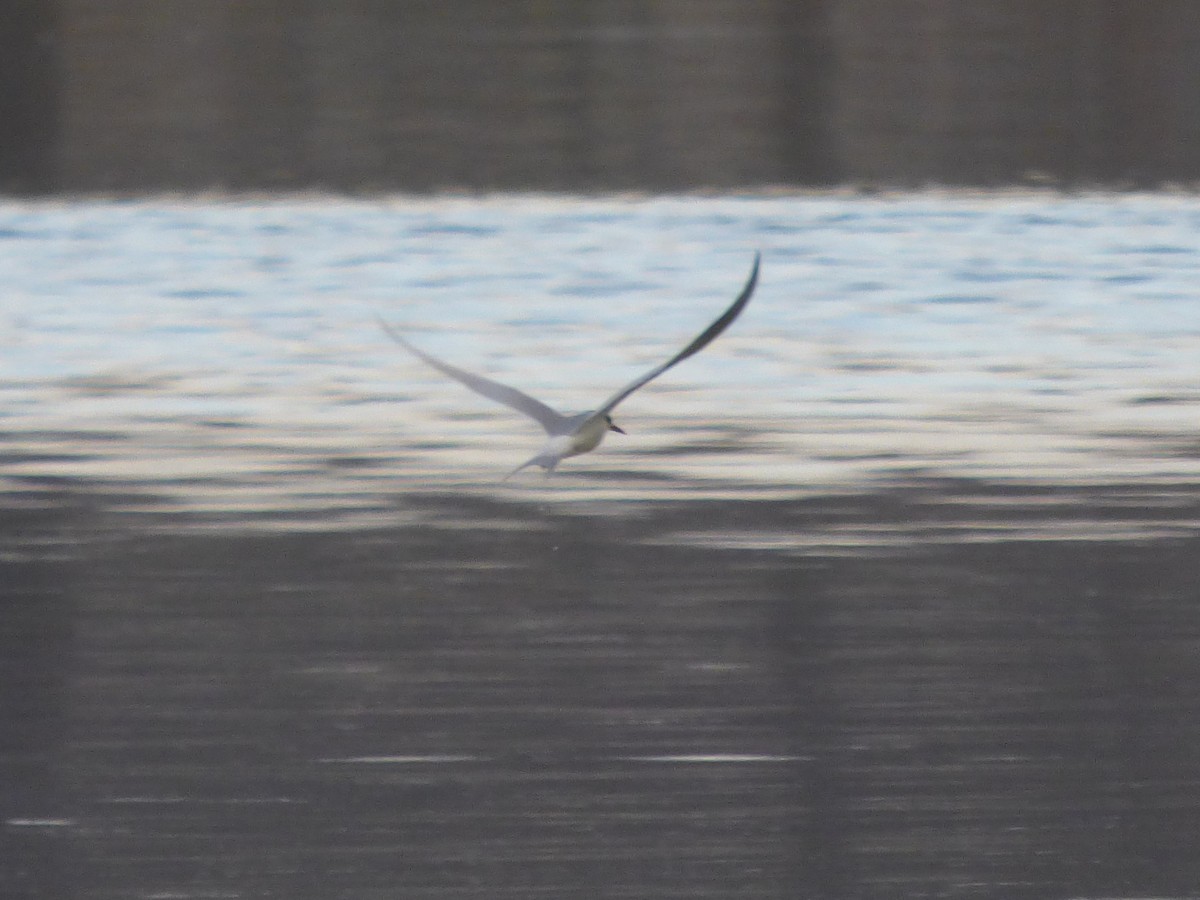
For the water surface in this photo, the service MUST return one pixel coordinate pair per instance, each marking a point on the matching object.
(891, 592)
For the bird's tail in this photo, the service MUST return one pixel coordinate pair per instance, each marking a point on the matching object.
(546, 462)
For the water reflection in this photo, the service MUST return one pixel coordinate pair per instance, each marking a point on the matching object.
(1031, 336)
(506, 697)
(894, 595)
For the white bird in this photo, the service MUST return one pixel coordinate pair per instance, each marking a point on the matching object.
(573, 435)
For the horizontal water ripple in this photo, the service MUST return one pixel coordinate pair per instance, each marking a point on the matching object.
(869, 351)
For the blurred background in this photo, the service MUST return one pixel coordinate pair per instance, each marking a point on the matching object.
(129, 95)
(891, 592)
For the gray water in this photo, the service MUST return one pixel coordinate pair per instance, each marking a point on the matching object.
(891, 592)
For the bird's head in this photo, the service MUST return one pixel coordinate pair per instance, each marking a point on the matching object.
(613, 426)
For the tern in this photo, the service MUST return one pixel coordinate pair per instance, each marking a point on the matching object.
(582, 432)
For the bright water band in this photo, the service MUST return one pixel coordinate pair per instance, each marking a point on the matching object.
(226, 353)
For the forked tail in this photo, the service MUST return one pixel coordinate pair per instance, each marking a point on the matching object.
(546, 462)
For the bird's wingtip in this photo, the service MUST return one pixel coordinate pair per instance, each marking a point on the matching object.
(387, 329)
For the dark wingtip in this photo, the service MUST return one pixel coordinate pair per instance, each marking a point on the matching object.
(744, 297)
(754, 269)
(388, 330)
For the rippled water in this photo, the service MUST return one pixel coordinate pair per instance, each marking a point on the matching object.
(225, 354)
(890, 592)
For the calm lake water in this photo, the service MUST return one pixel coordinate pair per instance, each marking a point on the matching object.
(891, 592)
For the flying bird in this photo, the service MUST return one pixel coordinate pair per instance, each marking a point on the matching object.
(580, 433)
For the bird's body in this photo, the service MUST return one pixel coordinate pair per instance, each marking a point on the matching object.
(585, 438)
(583, 432)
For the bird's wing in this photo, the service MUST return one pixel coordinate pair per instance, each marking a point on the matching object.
(701, 341)
(493, 390)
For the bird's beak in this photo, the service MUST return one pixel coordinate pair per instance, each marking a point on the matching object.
(613, 426)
